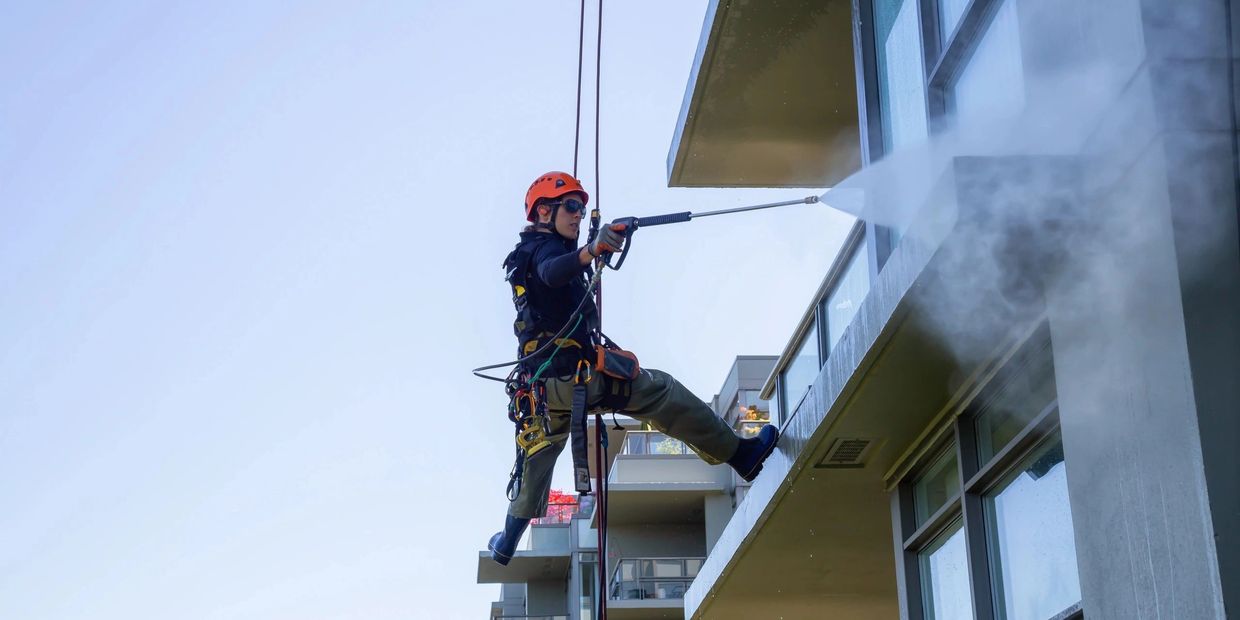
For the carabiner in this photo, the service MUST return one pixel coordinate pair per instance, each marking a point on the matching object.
(589, 373)
(529, 396)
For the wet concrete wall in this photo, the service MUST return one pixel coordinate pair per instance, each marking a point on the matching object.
(1146, 338)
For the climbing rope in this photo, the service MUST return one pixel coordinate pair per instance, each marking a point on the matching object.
(581, 38)
(600, 429)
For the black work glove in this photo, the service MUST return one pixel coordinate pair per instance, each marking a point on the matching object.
(609, 239)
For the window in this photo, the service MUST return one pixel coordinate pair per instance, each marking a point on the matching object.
(801, 372)
(950, 12)
(945, 577)
(588, 574)
(847, 294)
(1015, 404)
(1030, 530)
(776, 412)
(985, 518)
(846, 288)
(991, 84)
(890, 57)
(977, 60)
(749, 413)
(939, 485)
(901, 90)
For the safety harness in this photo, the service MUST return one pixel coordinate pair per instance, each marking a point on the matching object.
(535, 331)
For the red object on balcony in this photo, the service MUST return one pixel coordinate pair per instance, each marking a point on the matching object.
(560, 508)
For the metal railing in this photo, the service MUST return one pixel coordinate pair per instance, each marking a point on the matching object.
(653, 443)
(653, 578)
(560, 513)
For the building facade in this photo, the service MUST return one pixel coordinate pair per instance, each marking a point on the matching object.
(1015, 393)
(666, 510)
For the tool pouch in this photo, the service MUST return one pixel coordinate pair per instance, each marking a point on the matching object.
(616, 363)
(577, 421)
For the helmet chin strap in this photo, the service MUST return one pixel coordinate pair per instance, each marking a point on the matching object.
(550, 226)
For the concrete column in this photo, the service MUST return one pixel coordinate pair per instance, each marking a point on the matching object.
(718, 513)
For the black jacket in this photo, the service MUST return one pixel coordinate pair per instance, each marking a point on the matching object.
(555, 282)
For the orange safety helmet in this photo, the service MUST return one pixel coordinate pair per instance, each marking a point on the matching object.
(550, 186)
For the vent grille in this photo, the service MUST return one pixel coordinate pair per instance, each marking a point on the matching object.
(846, 453)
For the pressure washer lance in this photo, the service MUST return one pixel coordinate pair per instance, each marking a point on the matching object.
(631, 224)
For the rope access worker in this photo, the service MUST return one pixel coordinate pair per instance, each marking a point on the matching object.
(551, 273)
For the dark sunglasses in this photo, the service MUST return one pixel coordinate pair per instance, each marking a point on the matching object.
(572, 205)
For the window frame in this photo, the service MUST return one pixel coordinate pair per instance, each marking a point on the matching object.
(977, 480)
(782, 383)
(946, 57)
(824, 324)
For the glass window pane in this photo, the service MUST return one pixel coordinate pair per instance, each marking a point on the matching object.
(901, 80)
(849, 292)
(802, 370)
(669, 568)
(940, 483)
(945, 578)
(589, 577)
(991, 86)
(1027, 393)
(628, 571)
(1031, 529)
(692, 567)
(950, 12)
(775, 405)
(636, 443)
(751, 407)
(670, 589)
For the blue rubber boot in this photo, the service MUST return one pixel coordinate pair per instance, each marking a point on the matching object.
(504, 544)
(753, 451)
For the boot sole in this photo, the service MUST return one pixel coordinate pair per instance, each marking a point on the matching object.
(499, 558)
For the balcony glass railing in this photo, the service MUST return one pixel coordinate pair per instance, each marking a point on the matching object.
(529, 617)
(653, 443)
(653, 578)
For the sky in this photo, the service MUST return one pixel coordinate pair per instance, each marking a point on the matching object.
(249, 252)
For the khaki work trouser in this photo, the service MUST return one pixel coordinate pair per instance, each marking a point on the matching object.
(657, 398)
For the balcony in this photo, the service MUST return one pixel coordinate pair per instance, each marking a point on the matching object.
(650, 587)
(545, 557)
(658, 479)
(652, 578)
(652, 460)
(529, 617)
